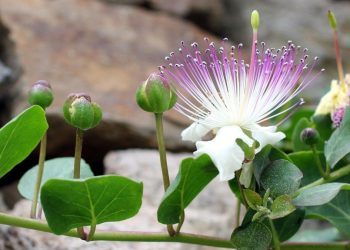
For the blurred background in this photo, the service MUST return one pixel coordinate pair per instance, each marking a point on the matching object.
(106, 48)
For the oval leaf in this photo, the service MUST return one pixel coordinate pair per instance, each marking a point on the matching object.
(253, 199)
(338, 144)
(281, 177)
(255, 236)
(281, 207)
(68, 204)
(20, 136)
(58, 168)
(320, 195)
(336, 212)
(193, 176)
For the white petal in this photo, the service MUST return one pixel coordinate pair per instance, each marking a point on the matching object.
(265, 135)
(194, 132)
(224, 151)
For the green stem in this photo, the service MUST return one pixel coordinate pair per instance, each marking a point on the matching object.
(77, 153)
(182, 219)
(92, 232)
(162, 237)
(163, 160)
(42, 156)
(332, 176)
(120, 236)
(318, 162)
(162, 150)
(77, 160)
(275, 238)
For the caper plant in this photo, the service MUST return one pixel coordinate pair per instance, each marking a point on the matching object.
(284, 163)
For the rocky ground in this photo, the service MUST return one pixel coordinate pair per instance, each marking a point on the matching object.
(107, 48)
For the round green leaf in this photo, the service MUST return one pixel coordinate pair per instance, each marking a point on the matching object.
(255, 236)
(57, 168)
(69, 204)
(281, 177)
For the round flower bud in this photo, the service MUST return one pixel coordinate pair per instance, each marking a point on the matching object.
(310, 136)
(156, 94)
(40, 94)
(80, 112)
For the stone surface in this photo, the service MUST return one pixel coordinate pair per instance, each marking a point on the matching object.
(306, 23)
(9, 73)
(101, 49)
(211, 213)
(303, 22)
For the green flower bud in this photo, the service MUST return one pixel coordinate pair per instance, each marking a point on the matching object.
(80, 112)
(156, 94)
(310, 136)
(40, 94)
(255, 20)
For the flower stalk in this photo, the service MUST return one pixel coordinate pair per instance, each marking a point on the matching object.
(163, 159)
(77, 153)
(77, 160)
(275, 238)
(333, 24)
(42, 156)
(40, 94)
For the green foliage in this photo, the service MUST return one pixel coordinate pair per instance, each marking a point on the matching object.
(305, 161)
(320, 195)
(281, 207)
(338, 144)
(193, 176)
(281, 177)
(287, 226)
(58, 168)
(20, 136)
(234, 186)
(75, 203)
(265, 157)
(253, 199)
(337, 212)
(324, 235)
(254, 236)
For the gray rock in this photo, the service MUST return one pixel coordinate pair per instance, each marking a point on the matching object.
(108, 55)
(10, 72)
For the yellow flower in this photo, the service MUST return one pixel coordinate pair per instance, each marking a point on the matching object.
(338, 96)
